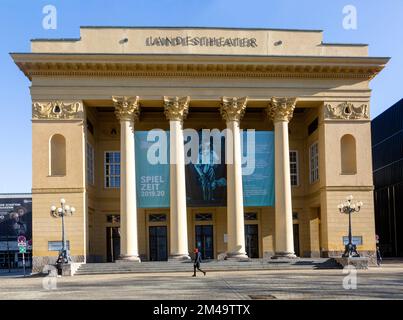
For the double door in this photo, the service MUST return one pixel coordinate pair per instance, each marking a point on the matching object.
(112, 244)
(205, 240)
(252, 240)
(158, 244)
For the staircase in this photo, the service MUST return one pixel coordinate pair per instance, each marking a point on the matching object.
(210, 265)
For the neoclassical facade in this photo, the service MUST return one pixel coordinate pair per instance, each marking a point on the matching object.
(92, 94)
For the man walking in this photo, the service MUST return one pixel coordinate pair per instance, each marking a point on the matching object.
(196, 262)
(378, 252)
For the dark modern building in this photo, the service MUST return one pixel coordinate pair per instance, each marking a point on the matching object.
(387, 149)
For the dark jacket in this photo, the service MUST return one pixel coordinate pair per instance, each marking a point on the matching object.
(197, 258)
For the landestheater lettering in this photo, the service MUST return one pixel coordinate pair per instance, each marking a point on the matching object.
(201, 42)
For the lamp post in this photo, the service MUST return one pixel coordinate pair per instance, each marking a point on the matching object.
(348, 207)
(61, 212)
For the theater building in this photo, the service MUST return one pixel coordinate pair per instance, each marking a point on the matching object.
(97, 100)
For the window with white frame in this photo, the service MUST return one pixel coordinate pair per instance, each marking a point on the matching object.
(294, 174)
(90, 164)
(112, 169)
(313, 163)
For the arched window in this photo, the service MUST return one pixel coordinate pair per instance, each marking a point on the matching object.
(348, 155)
(57, 155)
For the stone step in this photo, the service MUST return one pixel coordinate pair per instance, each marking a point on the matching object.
(164, 267)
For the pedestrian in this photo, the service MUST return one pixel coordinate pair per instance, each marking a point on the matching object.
(378, 252)
(196, 262)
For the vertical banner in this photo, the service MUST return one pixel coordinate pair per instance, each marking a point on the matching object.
(258, 177)
(206, 181)
(15, 222)
(16, 218)
(206, 176)
(152, 168)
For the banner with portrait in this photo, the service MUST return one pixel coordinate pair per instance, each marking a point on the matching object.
(15, 218)
(205, 169)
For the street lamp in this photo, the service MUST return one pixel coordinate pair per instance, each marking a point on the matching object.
(348, 207)
(61, 212)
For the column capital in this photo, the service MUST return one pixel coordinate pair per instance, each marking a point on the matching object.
(126, 108)
(233, 108)
(281, 109)
(176, 108)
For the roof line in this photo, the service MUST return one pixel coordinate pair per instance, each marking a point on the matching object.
(199, 28)
(192, 55)
(395, 105)
(15, 195)
(345, 44)
(60, 39)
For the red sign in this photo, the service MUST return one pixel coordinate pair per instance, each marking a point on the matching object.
(22, 241)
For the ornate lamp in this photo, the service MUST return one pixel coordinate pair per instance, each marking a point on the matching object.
(61, 212)
(348, 207)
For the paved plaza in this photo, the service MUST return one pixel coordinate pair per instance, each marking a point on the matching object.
(385, 282)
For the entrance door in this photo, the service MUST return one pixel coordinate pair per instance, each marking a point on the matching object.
(204, 241)
(296, 239)
(112, 244)
(158, 243)
(252, 240)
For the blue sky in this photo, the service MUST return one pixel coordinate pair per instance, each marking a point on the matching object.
(379, 25)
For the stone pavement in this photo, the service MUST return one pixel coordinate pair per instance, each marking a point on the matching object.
(376, 283)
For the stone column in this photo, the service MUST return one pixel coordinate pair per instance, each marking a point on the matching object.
(176, 109)
(127, 112)
(232, 110)
(281, 110)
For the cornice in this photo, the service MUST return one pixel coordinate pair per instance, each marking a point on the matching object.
(111, 65)
(57, 190)
(322, 189)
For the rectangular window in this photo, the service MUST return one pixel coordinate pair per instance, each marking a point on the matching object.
(90, 164)
(157, 218)
(203, 217)
(112, 169)
(113, 218)
(313, 163)
(248, 216)
(294, 174)
(313, 126)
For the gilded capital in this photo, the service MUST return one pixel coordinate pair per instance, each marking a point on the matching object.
(127, 108)
(281, 109)
(233, 109)
(176, 108)
(57, 110)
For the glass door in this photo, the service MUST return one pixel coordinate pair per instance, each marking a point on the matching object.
(252, 240)
(158, 243)
(296, 239)
(112, 244)
(204, 241)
